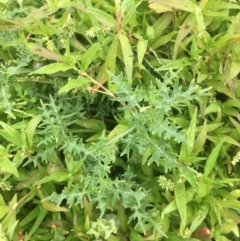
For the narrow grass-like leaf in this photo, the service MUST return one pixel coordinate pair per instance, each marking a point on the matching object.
(136, 236)
(30, 130)
(202, 188)
(235, 193)
(4, 210)
(210, 127)
(200, 140)
(184, 153)
(190, 135)
(175, 64)
(11, 230)
(110, 64)
(130, 12)
(43, 52)
(55, 177)
(41, 215)
(236, 124)
(198, 218)
(160, 8)
(10, 134)
(102, 77)
(163, 40)
(30, 216)
(183, 32)
(52, 68)
(230, 140)
(76, 44)
(5, 164)
(190, 175)
(87, 208)
(211, 161)
(180, 199)
(141, 49)
(224, 41)
(127, 55)
(233, 70)
(123, 219)
(185, 5)
(50, 206)
(74, 84)
(91, 124)
(90, 55)
(102, 17)
(163, 22)
(111, 56)
(168, 209)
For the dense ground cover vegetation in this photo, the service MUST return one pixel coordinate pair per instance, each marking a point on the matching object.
(119, 120)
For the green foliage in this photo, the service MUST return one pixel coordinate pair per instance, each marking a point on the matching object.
(119, 120)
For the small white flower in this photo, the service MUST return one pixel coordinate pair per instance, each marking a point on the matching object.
(236, 159)
(91, 33)
(200, 175)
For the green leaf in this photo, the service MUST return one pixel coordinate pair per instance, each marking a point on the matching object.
(180, 199)
(220, 87)
(175, 64)
(95, 137)
(109, 65)
(234, 204)
(55, 177)
(127, 55)
(10, 134)
(102, 17)
(91, 124)
(161, 41)
(224, 41)
(135, 236)
(200, 140)
(43, 52)
(111, 56)
(190, 175)
(123, 219)
(202, 189)
(211, 161)
(184, 154)
(198, 218)
(130, 10)
(52, 68)
(50, 206)
(30, 216)
(141, 49)
(41, 215)
(30, 130)
(148, 152)
(6, 165)
(183, 32)
(190, 135)
(160, 8)
(210, 127)
(74, 84)
(163, 22)
(11, 230)
(76, 44)
(235, 193)
(118, 132)
(233, 71)
(230, 140)
(185, 5)
(90, 55)
(3, 208)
